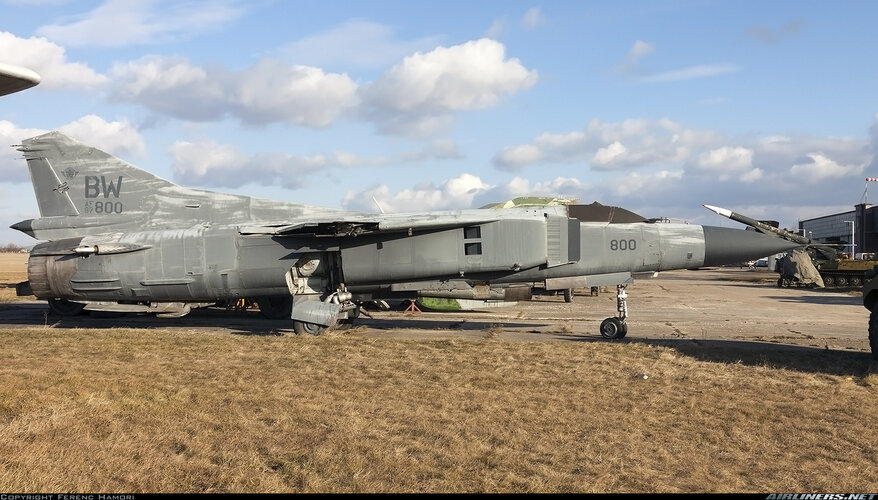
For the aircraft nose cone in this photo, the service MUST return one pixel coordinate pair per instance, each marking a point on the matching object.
(723, 245)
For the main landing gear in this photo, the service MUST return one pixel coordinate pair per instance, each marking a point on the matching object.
(616, 328)
(335, 311)
(344, 322)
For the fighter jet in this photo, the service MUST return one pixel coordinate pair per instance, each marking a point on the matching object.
(122, 239)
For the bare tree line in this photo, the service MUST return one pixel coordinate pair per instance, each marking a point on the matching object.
(12, 248)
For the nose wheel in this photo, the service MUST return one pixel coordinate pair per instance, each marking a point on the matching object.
(616, 328)
(613, 328)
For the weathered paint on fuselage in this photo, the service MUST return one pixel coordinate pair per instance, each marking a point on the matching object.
(118, 233)
(216, 263)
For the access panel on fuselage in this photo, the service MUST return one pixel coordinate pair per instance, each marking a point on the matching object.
(501, 246)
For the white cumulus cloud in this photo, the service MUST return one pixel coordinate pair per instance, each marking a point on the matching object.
(727, 162)
(432, 85)
(208, 163)
(608, 154)
(49, 60)
(205, 162)
(455, 193)
(633, 143)
(116, 138)
(12, 167)
(818, 168)
(726, 158)
(302, 95)
(270, 91)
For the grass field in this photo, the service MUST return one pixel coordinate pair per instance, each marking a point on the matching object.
(155, 411)
(152, 410)
(13, 269)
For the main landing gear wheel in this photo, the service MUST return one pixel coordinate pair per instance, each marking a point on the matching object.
(568, 295)
(63, 307)
(613, 328)
(303, 327)
(344, 324)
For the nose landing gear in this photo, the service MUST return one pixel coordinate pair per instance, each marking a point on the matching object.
(615, 327)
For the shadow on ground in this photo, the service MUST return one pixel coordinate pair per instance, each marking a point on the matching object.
(792, 357)
(805, 359)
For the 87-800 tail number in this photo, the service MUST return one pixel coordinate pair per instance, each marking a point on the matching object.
(103, 207)
(623, 245)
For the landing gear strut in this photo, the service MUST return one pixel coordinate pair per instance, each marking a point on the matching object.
(616, 328)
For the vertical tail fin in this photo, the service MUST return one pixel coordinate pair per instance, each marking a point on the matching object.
(70, 178)
(52, 193)
(82, 190)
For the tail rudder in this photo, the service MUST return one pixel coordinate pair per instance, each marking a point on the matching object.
(52, 194)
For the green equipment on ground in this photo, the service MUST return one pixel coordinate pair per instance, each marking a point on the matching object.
(829, 266)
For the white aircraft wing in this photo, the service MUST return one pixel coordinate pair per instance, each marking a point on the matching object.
(15, 78)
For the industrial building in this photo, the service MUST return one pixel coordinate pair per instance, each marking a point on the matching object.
(859, 225)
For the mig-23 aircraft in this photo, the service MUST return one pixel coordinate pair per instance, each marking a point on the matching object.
(122, 239)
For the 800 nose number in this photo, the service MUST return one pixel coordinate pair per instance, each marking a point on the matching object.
(623, 245)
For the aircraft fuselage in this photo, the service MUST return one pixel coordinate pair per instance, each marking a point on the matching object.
(208, 264)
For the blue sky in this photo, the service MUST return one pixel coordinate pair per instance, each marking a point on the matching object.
(766, 108)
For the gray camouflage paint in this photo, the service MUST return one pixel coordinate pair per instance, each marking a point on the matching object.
(117, 233)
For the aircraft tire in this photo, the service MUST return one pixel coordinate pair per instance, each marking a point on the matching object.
(344, 324)
(303, 327)
(63, 307)
(568, 295)
(613, 328)
(873, 333)
(276, 307)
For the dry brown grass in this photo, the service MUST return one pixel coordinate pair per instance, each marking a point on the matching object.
(161, 411)
(13, 269)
